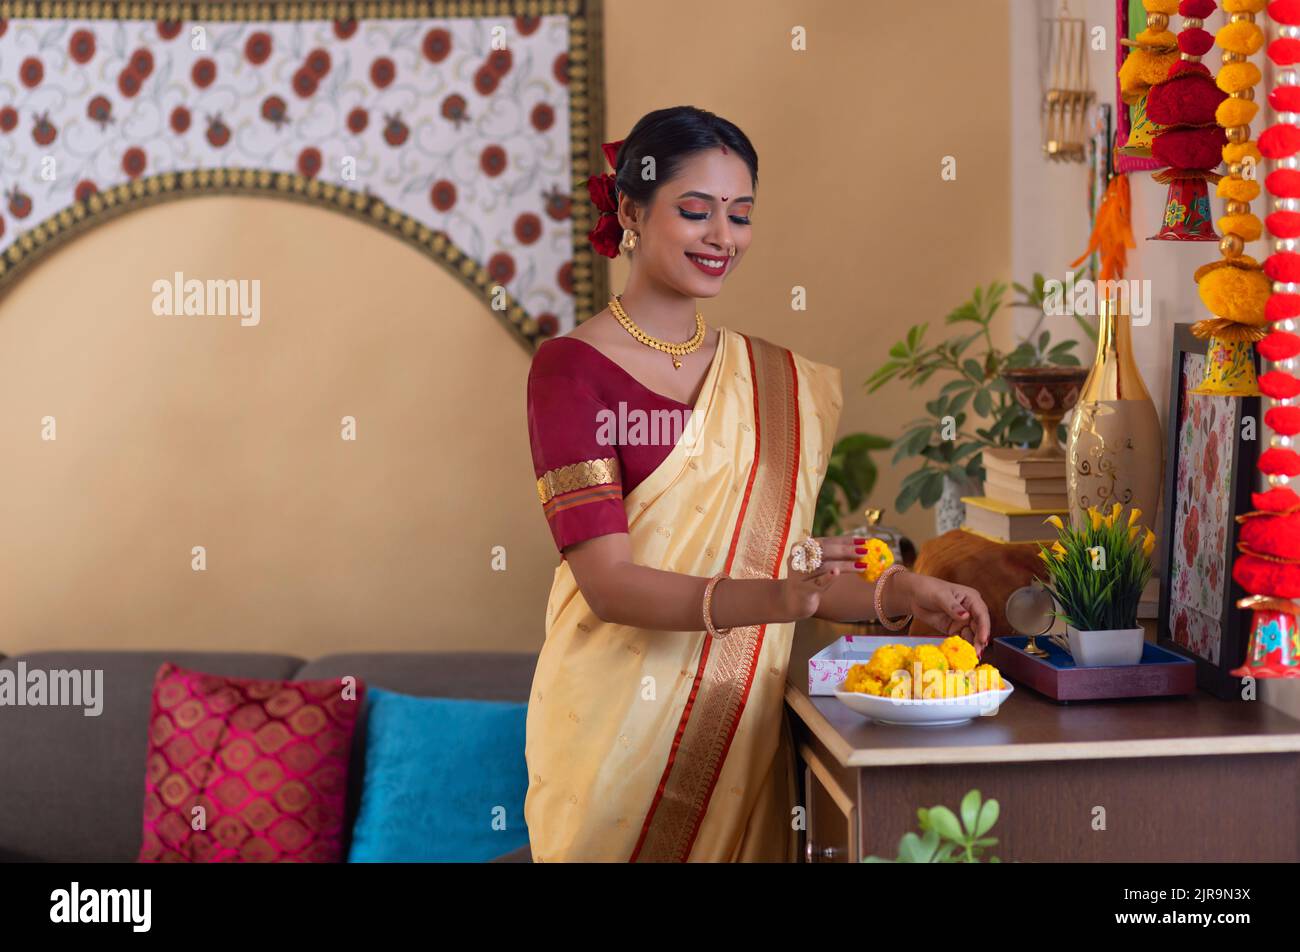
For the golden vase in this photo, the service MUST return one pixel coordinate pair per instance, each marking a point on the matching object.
(1116, 447)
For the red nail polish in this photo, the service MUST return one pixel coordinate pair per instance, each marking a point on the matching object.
(860, 541)
(861, 550)
(860, 564)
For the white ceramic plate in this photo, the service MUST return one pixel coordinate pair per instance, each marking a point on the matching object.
(934, 712)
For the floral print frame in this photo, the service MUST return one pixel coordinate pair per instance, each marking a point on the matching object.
(1208, 479)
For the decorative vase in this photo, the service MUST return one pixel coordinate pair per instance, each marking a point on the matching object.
(1092, 649)
(1116, 447)
(950, 511)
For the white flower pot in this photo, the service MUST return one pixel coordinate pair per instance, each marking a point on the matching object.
(1091, 649)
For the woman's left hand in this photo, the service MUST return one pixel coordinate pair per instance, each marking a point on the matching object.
(952, 609)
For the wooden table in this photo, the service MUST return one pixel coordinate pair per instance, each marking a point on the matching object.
(1191, 779)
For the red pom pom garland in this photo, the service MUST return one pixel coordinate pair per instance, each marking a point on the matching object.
(1285, 12)
(1189, 144)
(1270, 536)
(1279, 345)
(1285, 99)
(1279, 385)
(1282, 306)
(1283, 420)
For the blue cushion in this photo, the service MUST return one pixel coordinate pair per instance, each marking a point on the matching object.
(445, 780)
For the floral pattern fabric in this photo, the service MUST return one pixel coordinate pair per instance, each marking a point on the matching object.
(462, 124)
(1199, 575)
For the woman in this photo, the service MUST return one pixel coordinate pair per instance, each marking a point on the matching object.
(678, 466)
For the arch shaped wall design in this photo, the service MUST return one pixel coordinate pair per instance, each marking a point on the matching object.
(466, 128)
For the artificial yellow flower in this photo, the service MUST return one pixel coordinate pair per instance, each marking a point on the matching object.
(887, 659)
(1095, 517)
(1133, 532)
(1134, 515)
(1056, 521)
(878, 557)
(1059, 550)
(899, 686)
(1149, 543)
(933, 684)
(929, 657)
(960, 653)
(987, 678)
(860, 679)
(1115, 510)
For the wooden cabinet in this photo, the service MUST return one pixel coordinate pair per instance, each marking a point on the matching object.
(832, 813)
(1191, 779)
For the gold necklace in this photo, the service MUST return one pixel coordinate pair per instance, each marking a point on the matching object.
(676, 351)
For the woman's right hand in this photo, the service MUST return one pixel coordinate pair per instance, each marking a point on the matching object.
(801, 592)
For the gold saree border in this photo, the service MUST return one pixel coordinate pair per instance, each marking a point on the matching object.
(726, 667)
(586, 93)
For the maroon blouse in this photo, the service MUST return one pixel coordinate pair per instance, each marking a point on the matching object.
(584, 458)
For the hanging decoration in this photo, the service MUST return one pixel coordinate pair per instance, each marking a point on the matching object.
(1143, 62)
(1189, 142)
(1112, 231)
(1269, 565)
(1235, 289)
(1069, 93)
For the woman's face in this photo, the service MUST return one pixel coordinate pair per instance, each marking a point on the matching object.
(685, 235)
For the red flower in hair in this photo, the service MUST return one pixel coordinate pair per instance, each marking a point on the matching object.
(600, 188)
(611, 152)
(607, 234)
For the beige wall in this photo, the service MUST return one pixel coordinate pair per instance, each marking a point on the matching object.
(176, 432)
(182, 431)
(850, 136)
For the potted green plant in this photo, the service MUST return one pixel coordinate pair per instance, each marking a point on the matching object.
(947, 441)
(1096, 573)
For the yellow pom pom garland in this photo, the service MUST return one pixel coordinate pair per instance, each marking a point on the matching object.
(1235, 289)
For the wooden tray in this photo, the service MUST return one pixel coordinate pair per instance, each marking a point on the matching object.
(1159, 673)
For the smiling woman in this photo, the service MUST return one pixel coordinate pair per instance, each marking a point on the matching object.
(656, 728)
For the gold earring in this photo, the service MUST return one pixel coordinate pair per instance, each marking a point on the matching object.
(629, 239)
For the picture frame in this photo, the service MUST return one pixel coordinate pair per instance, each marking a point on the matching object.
(1209, 476)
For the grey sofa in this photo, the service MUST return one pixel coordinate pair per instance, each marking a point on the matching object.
(72, 786)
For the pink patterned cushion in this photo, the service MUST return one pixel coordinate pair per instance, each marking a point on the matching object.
(266, 760)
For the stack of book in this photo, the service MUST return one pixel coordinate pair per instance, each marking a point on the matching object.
(1019, 494)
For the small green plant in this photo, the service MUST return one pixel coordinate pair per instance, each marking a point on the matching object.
(945, 839)
(1097, 572)
(850, 477)
(941, 438)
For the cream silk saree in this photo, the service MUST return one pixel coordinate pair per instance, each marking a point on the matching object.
(667, 745)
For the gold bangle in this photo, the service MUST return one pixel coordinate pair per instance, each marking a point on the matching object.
(708, 607)
(880, 601)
